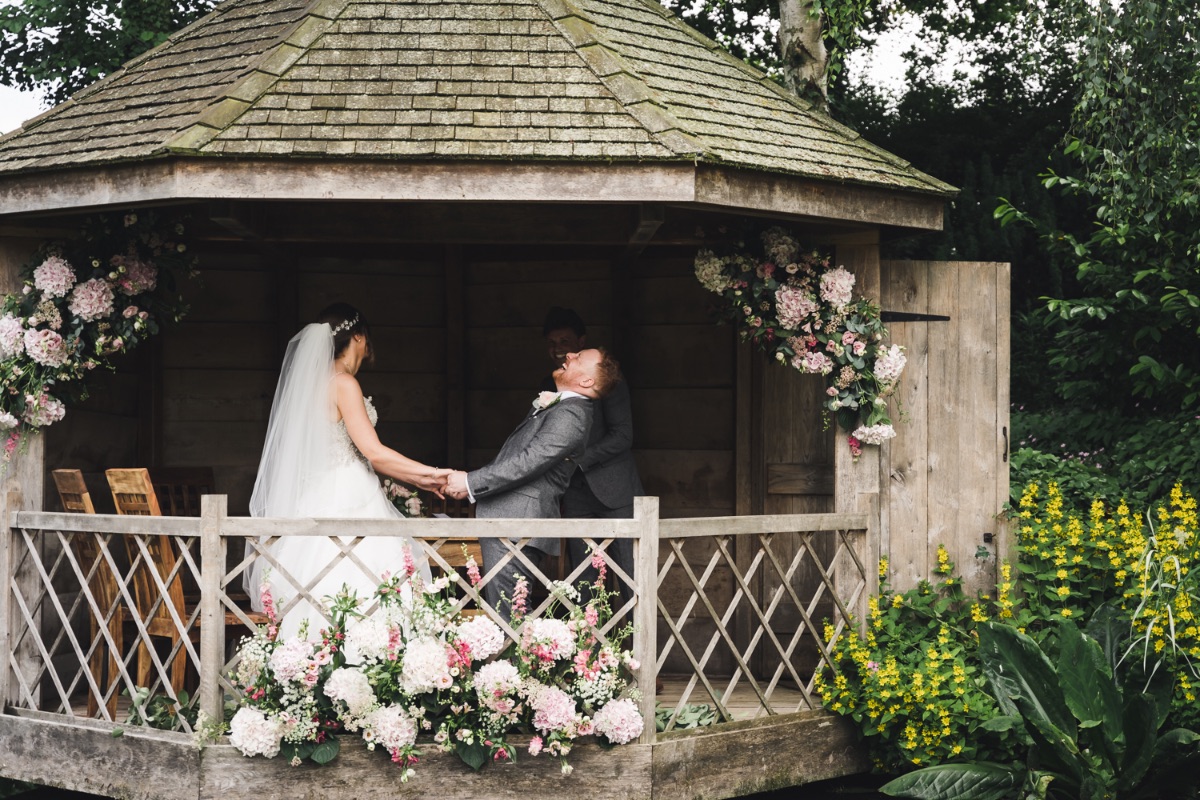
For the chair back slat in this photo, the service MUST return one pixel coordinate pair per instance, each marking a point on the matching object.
(73, 492)
(179, 489)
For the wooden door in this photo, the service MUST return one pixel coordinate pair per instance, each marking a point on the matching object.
(946, 472)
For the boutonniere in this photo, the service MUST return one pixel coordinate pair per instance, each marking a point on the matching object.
(544, 400)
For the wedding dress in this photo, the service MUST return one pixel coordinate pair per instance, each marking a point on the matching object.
(310, 468)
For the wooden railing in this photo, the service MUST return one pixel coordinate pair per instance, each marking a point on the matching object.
(740, 603)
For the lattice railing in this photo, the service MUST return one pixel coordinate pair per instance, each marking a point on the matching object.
(746, 629)
(740, 602)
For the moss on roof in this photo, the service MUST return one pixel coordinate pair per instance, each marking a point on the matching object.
(534, 80)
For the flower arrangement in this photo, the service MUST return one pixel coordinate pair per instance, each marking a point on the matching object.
(799, 309)
(406, 501)
(84, 302)
(416, 666)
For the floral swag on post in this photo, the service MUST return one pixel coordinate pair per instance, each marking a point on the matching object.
(415, 666)
(84, 302)
(795, 307)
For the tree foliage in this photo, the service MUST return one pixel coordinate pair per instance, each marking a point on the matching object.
(59, 46)
(1134, 164)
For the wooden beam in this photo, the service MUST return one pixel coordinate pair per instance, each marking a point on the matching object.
(173, 180)
(650, 219)
(237, 219)
(805, 197)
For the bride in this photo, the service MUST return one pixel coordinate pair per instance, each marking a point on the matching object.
(320, 459)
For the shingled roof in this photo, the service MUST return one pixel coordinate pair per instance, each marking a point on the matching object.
(510, 80)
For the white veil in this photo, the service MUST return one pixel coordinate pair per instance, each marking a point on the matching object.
(297, 454)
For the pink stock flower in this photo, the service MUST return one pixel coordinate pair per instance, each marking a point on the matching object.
(473, 572)
(535, 745)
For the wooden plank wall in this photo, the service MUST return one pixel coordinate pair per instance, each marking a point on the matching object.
(947, 469)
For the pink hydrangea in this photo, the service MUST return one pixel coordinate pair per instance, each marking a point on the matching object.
(619, 721)
(43, 410)
(92, 300)
(12, 337)
(482, 636)
(836, 287)
(46, 347)
(794, 306)
(553, 710)
(813, 362)
(291, 660)
(139, 276)
(54, 277)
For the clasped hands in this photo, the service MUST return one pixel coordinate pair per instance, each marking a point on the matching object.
(445, 481)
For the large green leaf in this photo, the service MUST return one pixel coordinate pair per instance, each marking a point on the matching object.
(326, 751)
(982, 780)
(1141, 736)
(474, 755)
(1087, 686)
(1022, 678)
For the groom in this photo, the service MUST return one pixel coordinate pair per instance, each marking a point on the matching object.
(529, 475)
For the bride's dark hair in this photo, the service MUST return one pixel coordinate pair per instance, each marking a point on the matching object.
(337, 316)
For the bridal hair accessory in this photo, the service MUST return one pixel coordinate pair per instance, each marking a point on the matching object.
(546, 399)
(345, 326)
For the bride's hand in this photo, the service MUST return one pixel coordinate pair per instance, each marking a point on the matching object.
(435, 481)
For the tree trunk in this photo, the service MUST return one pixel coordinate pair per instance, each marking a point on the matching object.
(803, 50)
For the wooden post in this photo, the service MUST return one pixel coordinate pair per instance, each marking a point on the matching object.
(212, 616)
(645, 615)
(12, 502)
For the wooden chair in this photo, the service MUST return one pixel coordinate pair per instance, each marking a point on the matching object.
(75, 498)
(133, 494)
(179, 489)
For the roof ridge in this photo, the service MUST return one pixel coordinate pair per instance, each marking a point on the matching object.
(261, 75)
(629, 88)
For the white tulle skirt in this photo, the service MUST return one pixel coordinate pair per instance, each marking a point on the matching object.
(353, 491)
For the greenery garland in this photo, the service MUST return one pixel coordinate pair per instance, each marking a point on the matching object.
(83, 302)
(799, 309)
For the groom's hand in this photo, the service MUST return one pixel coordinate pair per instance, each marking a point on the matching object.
(456, 484)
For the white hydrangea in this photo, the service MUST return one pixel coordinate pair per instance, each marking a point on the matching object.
(391, 727)
(369, 638)
(425, 667)
(548, 639)
(889, 364)
(352, 687)
(619, 721)
(495, 681)
(12, 337)
(710, 271)
(874, 434)
(253, 734)
(482, 636)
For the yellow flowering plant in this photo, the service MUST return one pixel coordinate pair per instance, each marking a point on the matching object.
(912, 681)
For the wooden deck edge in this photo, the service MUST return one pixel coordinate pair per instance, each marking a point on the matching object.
(84, 758)
(719, 763)
(737, 760)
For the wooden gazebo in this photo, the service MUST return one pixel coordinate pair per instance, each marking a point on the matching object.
(454, 169)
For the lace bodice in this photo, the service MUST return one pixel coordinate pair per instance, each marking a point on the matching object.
(344, 451)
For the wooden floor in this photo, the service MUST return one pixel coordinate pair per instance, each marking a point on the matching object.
(744, 703)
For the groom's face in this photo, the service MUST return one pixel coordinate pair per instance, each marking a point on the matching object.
(578, 372)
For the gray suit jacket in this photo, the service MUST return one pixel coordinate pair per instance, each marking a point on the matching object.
(529, 475)
(607, 466)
